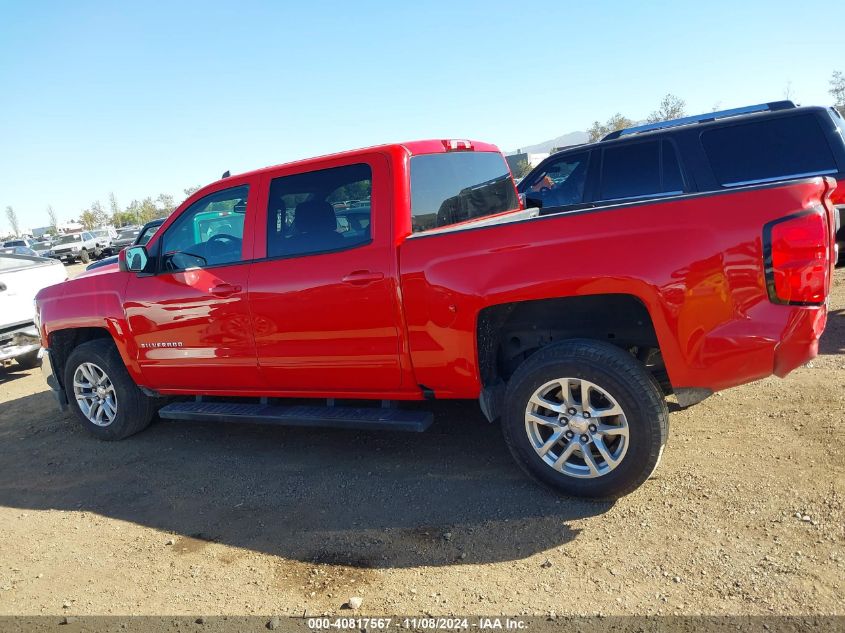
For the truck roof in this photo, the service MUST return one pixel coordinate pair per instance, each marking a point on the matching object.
(412, 148)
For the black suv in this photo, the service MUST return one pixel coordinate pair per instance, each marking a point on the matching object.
(709, 152)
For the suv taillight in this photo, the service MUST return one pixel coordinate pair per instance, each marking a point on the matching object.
(837, 196)
(797, 255)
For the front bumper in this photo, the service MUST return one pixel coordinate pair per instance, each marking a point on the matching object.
(51, 378)
(19, 342)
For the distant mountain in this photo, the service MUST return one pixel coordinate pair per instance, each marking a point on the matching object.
(573, 138)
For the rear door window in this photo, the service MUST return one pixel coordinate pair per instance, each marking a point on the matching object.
(320, 211)
(769, 150)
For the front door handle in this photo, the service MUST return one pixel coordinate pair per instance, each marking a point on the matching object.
(362, 277)
(224, 290)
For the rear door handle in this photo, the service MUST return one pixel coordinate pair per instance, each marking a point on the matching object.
(224, 290)
(362, 277)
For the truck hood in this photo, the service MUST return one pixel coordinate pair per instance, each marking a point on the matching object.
(21, 278)
(105, 269)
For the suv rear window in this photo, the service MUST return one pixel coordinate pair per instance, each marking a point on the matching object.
(762, 151)
(458, 186)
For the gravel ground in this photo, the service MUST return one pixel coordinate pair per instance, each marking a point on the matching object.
(744, 516)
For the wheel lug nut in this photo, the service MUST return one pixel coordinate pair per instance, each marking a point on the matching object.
(585, 438)
(570, 434)
(571, 411)
(586, 414)
(593, 428)
(564, 420)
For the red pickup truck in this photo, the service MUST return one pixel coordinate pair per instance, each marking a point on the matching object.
(330, 290)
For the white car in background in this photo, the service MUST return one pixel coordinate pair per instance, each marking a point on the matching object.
(72, 246)
(21, 278)
(105, 237)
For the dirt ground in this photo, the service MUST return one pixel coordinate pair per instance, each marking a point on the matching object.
(744, 516)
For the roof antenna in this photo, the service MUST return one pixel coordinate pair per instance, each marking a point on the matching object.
(226, 174)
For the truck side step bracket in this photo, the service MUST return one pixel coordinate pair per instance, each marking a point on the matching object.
(377, 419)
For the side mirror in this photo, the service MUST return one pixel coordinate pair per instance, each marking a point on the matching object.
(133, 259)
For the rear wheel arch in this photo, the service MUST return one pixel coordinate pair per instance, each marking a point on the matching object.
(509, 334)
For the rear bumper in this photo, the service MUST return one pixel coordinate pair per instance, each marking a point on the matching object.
(773, 340)
(51, 378)
(800, 342)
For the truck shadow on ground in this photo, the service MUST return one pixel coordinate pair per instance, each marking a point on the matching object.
(13, 372)
(833, 339)
(360, 499)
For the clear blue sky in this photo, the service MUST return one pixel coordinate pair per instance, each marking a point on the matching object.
(146, 97)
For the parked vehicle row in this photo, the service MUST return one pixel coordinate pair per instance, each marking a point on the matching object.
(570, 320)
(137, 236)
(84, 246)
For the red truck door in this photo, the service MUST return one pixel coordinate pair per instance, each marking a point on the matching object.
(190, 319)
(324, 297)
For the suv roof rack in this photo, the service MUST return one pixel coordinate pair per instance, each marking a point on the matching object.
(701, 118)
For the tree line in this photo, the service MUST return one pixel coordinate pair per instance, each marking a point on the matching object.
(138, 212)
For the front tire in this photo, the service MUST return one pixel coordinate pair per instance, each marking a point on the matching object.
(83, 257)
(102, 394)
(585, 418)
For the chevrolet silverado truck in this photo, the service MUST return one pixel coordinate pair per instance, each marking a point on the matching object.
(254, 303)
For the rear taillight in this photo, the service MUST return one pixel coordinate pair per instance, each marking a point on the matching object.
(797, 255)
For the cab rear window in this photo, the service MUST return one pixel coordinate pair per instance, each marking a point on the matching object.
(459, 186)
(765, 151)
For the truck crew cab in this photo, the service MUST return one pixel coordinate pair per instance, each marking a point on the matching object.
(328, 290)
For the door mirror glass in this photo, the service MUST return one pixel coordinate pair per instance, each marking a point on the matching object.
(134, 259)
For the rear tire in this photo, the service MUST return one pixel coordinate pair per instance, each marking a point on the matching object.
(604, 450)
(83, 257)
(102, 394)
(29, 361)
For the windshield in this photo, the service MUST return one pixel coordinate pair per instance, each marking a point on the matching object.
(127, 235)
(40, 246)
(458, 186)
(14, 243)
(69, 239)
(147, 235)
